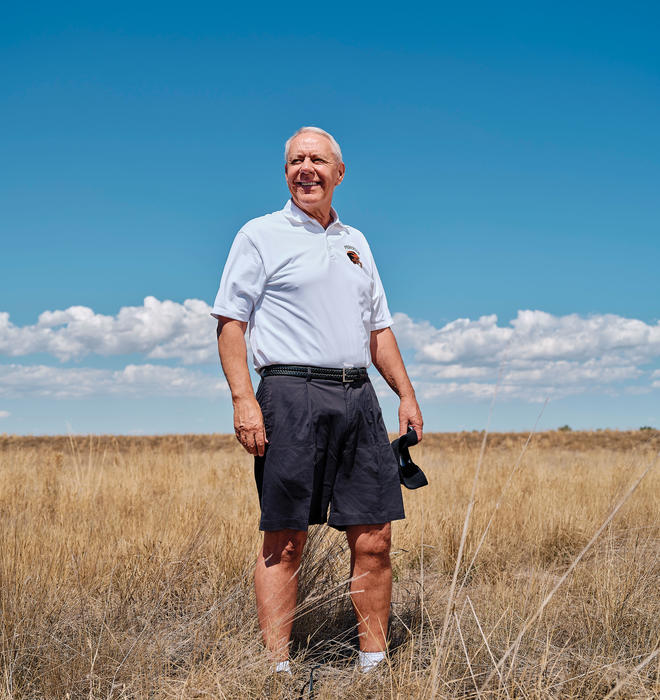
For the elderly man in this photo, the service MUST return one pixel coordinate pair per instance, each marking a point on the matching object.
(307, 286)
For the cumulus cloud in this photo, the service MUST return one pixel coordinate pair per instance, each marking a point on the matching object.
(534, 356)
(157, 329)
(4, 414)
(134, 381)
(532, 335)
(537, 355)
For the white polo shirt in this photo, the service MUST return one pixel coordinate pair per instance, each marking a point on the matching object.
(311, 296)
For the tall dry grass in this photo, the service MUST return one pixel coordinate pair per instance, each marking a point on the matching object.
(126, 566)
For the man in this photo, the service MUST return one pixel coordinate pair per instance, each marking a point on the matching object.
(308, 287)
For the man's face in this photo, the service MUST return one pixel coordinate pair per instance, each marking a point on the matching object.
(312, 171)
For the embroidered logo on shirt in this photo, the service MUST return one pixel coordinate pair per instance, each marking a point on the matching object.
(354, 257)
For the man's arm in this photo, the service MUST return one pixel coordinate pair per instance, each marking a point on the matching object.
(388, 361)
(248, 421)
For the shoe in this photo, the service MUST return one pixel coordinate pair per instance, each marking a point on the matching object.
(281, 685)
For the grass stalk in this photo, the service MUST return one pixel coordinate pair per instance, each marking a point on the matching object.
(530, 621)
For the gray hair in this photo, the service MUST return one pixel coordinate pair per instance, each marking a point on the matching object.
(336, 151)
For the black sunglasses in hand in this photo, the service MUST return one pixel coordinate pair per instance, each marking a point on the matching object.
(411, 476)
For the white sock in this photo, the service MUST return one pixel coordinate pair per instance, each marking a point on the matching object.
(283, 667)
(370, 659)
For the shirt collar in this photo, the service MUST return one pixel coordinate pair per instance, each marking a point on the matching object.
(297, 216)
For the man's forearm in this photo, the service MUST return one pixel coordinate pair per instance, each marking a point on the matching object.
(248, 421)
(388, 361)
(233, 356)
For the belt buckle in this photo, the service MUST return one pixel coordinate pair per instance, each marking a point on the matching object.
(343, 376)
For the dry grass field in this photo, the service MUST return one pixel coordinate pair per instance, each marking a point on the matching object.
(125, 572)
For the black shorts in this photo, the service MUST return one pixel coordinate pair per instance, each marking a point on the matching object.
(327, 447)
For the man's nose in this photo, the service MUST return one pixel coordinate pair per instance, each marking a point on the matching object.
(307, 164)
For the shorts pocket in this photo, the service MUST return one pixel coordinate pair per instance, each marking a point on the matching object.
(260, 391)
(285, 407)
(374, 416)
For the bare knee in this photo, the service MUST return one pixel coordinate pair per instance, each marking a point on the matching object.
(371, 543)
(283, 546)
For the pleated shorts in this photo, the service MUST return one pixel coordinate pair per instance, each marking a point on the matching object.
(328, 457)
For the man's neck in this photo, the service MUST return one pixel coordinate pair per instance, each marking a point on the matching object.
(323, 214)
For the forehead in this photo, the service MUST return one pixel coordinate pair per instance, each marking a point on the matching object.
(309, 143)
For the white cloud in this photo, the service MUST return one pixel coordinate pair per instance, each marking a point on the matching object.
(157, 329)
(537, 355)
(4, 414)
(532, 335)
(137, 381)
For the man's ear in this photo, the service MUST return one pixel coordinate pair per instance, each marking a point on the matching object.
(342, 170)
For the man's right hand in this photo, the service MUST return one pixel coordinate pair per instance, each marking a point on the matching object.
(249, 425)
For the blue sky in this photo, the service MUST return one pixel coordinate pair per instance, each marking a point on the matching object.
(500, 159)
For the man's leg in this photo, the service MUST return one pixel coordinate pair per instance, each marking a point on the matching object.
(372, 592)
(276, 585)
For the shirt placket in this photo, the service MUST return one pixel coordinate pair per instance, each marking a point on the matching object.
(328, 246)
(331, 236)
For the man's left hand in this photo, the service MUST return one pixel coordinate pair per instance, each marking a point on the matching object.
(409, 414)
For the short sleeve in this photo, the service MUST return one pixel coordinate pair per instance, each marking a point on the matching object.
(380, 313)
(243, 281)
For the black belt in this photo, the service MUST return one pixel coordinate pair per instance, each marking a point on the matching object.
(340, 374)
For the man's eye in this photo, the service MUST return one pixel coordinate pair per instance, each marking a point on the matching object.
(319, 160)
(295, 161)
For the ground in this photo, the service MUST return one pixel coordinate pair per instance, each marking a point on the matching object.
(125, 569)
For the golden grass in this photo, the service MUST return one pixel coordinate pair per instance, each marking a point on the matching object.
(125, 571)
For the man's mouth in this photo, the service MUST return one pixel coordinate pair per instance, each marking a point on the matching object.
(308, 183)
